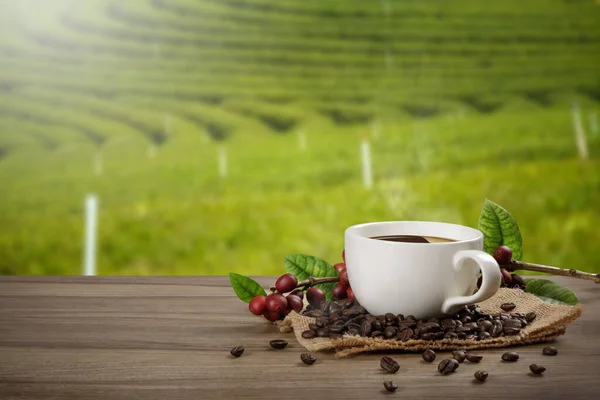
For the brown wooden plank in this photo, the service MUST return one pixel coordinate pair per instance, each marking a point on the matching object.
(169, 338)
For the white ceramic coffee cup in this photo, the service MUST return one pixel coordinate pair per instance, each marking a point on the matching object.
(421, 279)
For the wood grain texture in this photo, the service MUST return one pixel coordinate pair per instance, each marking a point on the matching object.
(169, 338)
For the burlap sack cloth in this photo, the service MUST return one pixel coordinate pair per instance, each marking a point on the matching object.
(551, 321)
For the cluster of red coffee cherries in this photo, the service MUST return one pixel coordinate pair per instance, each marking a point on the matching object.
(289, 297)
(342, 289)
(503, 256)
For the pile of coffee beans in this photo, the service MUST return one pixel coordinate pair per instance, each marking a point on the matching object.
(333, 319)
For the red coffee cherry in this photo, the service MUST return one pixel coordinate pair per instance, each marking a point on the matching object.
(286, 283)
(276, 302)
(503, 255)
(257, 305)
(339, 291)
(315, 296)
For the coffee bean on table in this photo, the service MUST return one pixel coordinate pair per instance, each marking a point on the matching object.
(278, 344)
(389, 364)
(530, 316)
(537, 369)
(474, 358)
(308, 359)
(508, 306)
(428, 355)
(237, 351)
(549, 351)
(459, 355)
(485, 326)
(308, 334)
(510, 356)
(481, 375)
(447, 366)
(390, 386)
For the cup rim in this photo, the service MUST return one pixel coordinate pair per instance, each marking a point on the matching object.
(477, 234)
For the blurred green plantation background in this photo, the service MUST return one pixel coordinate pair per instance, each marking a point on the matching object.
(220, 135)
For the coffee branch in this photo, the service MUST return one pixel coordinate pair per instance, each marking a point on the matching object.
(573, 273)
(312, 281)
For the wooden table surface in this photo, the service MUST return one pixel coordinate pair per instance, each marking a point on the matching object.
(169, 338)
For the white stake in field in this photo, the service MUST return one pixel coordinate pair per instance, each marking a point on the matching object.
(593, 124)
(222, 161)
(301, 140)
(367, 171)
(91, 224)
(580, 139)
(98, 165)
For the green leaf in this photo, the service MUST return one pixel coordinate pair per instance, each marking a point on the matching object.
(499, 228)
(245, 288)
(304, 266)
(551, 292)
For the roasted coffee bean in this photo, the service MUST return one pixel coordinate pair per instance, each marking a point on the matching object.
(434, 321)
(474, 358)
(313, 327)
(308, 334)
(504, 317)
(389, 317)
(481, 375)
(438, 335)
(390, 332)
(323, 332)
(427, 336)
(448, 366)
(470, 325)
(318, 313)
(510, 356)
(400, 317)
(308, 359)
(465, 319)
(496, 329)
(471, 337)
(512, 323)
(390, 386)
(530, 316)
(335, 316)
(485, 326)
(278, 343)
(378, 325)
(354, 326)
(459, 355)
(365, 328)
(408, 323)
(336, 329)
(448, 323)
(376, 333)
(405, 335)
(428, 355)
(508, 306)
(427, 327)
(411, 318)
(450, 335)
(462, 335)
(389, 364)
(483, 336)
(237, 351)
(549, 351)
(511, 331)
(334, 308)
(537, 369)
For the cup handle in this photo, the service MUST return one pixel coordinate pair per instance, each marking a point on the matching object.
(490, 281)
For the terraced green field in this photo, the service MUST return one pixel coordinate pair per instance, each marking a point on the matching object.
(135, 100)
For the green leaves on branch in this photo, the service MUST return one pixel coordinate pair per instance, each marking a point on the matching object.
(304, 266)
(245, 288)
(551, 292)
(499, 228)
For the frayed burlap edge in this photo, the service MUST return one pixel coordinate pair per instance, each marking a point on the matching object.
(551, 322)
